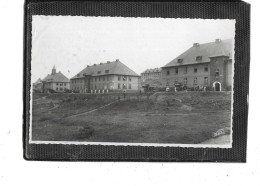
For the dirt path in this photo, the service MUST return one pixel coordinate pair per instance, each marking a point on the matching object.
(80, 114)
(223, 140)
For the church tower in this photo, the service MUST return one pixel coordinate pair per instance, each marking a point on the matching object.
(53, 70)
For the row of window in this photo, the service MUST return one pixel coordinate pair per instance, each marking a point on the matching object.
(106, 71)
(58, 89)
(124, 78)
(102, 78)
(185, 81)
(195, 70)
(198, 58)
(124, 86)
(61, 84)
(105, 86)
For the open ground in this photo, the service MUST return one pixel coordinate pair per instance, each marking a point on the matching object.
(180, 117)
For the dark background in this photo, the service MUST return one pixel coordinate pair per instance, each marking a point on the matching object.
(201, 9)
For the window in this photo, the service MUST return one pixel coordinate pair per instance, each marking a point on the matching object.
(98, 72)
(180, 60)
(206, 69)
(104, 78)
(124, 86)
(185, 81)
(106, 71)
(185, 70)
(195, 70)
(206, 80)
(95, 79)
(95, 86)
(129, 78)
(65, 84)
(176, 70)
(107, 78)
(99, 79)
(118, 86)
(61, 84)
(57, 88)
(119, 78)
(124, 78)
(176, 81)
(61, 88)
(129, 86)
(57, 84)
(217, 72)
(168, 72)
(195, 81)
(198, 58)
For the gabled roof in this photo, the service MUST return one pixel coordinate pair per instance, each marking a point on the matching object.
(206, 50)
(38, 81)
(152, 70)
(115, 67)
(57, 77)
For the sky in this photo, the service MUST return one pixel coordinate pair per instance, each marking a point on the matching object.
(73, 42)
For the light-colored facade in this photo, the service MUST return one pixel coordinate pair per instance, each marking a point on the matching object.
(55, 82)
(151, 74)
(106, 77)
(205, 65)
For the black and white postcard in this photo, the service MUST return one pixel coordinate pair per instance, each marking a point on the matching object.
(132, 81)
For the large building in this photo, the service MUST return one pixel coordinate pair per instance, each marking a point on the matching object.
(202, 65)
(106, 77)
(151, 74)
(55, 82)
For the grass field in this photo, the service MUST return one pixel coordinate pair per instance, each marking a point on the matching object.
(187, 117)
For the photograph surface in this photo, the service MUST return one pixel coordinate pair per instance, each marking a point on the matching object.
(132, 81)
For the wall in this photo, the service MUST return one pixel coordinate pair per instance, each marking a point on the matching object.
(229, 71)
(200, 74)
(151, 75)
(135, 83)
(218, 63)
(107, 82)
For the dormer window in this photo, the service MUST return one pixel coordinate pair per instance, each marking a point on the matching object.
(99, 72)
(180, 60)
(106, 71)
(78, 75)
(198, 58)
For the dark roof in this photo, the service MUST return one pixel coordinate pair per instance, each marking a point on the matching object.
(115, 67)
(38, 81)
(206, 50)
(57, 77)
(152, 70)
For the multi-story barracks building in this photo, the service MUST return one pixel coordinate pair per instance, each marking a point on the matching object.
(55, 82)
(202, 65)
(106, 77)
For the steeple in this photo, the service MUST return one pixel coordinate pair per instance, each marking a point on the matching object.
(53, 70)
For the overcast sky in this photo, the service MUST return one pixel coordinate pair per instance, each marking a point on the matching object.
(73, 42)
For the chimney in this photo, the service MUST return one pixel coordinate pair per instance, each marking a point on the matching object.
(101, 63)
(87, 65)
(94, 64)
(196, 44)
(218, 41)
(117, 60)
(108, 62)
